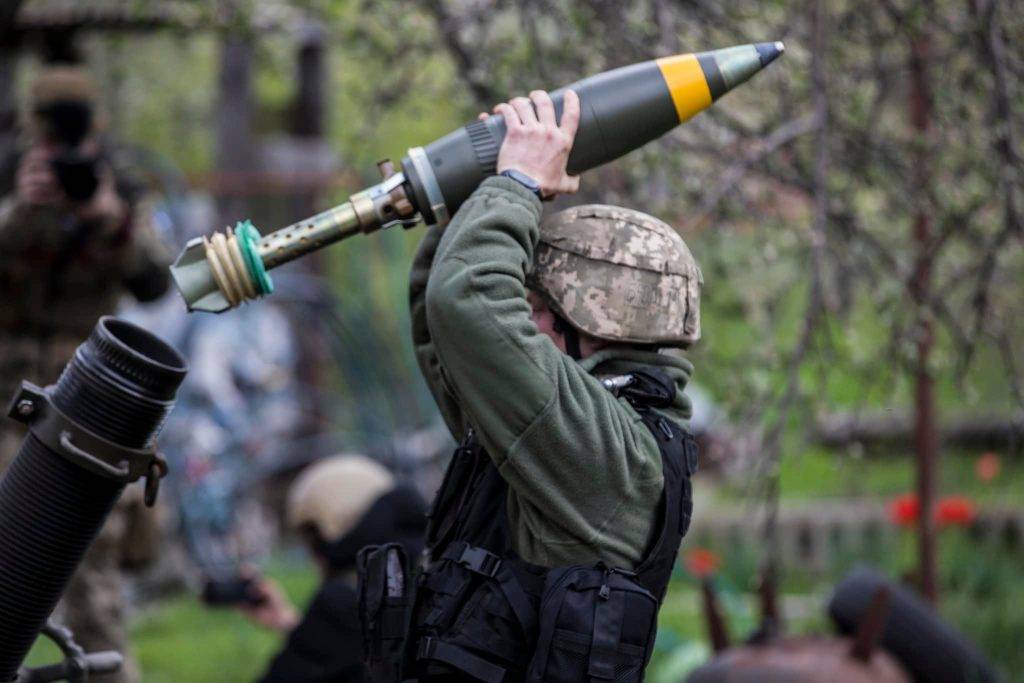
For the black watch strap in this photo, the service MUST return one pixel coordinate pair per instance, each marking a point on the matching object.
(524, 180)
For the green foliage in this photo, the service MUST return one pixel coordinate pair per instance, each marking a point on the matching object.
(817, 473)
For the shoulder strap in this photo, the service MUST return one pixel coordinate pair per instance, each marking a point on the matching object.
(679, 462)
(647, 387)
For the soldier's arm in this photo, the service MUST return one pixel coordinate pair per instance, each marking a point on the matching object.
(570, 450)
(14, 219)
(148, 258)
(423, 344)
(8, 220)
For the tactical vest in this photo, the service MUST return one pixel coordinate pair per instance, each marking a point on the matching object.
(477, 611)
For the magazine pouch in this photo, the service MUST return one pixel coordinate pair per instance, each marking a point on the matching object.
(475, 616)
(383, 609)
(595, 624)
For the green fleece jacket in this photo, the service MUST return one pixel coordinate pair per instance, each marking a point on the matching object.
(584, 473)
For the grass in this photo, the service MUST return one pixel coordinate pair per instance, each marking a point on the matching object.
(181, 640)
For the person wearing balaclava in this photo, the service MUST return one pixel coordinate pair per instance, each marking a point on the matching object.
(338, 505)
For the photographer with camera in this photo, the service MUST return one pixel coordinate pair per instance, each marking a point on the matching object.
(75, 236)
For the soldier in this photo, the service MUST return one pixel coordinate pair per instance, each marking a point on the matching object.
(553, 536)
(76, 237)
(339, 505)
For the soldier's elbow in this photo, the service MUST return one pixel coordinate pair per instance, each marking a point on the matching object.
(448, 291)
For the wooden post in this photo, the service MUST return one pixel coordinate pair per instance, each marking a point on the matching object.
(926, 441)
(9, 45)
(235, 151)
(308, 114)
(718, 632)
(309, 108)
(872, 626)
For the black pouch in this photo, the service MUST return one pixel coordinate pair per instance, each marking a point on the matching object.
(596, 624)
(384, 599)
(443, 516)
(474, 617)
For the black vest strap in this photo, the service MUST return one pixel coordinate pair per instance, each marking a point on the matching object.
(605, 638)
(488, 564)
(437, 650)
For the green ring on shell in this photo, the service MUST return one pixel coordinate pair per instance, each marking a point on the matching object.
(247, 236)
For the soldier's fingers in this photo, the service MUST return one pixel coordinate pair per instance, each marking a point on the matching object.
(41, 194)
(38, 180)
(570, 184)
(512, 121)
(482, 116)
(545, 107)
(105, 175)
(524, 108)
(570, 113)
(35, 160)
(37, 174)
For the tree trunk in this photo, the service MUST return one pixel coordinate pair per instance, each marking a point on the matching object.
(926, 442)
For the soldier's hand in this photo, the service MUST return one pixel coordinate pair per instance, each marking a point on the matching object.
(274, 610)
(36, 183)
(536, 144)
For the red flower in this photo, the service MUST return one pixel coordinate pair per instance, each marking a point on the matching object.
(950, 511)
(955, 511)
(702, 562)
(988, 466)
(904, 510)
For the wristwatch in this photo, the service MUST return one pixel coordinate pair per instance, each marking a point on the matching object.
(524, 180)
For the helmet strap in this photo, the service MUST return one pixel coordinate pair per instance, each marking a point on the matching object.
(570, 335)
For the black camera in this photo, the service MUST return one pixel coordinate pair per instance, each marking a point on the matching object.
(231, 590)
(77, 174)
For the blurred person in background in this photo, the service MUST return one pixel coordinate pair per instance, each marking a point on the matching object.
(77, 236)
(338, 505)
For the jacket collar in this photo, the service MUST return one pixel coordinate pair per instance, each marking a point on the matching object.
(618, 360)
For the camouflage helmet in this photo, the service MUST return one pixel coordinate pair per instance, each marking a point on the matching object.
(619, 275)
(68, 87)
(333, 494)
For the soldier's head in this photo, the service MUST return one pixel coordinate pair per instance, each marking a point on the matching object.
(606, 275)
(343, 503)
(62, 107)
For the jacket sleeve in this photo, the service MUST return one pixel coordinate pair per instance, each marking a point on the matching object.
(14, 220)
(423, 344)
(568, 448)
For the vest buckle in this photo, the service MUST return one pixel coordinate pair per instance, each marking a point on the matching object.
(692, 452)
(480, 561)
(428, 646)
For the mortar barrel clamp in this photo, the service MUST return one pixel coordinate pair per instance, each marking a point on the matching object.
(33, 407)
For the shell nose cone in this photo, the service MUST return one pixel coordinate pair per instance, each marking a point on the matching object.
(728, 67)
(769, 52)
